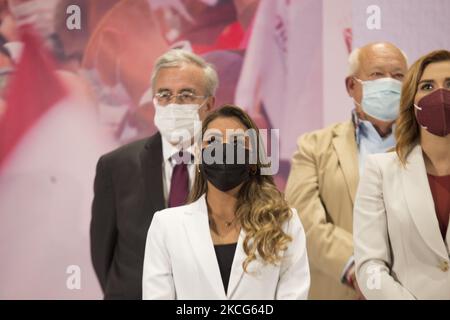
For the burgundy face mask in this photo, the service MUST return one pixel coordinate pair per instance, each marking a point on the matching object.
(433, 112)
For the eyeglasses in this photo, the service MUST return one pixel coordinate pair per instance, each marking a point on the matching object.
(164, 98)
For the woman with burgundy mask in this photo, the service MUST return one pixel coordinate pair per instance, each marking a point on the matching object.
(402, 208)
(237, 238)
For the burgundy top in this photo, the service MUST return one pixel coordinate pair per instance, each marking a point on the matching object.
(440, 188)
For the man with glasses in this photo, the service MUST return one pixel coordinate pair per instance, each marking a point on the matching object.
(146, 176)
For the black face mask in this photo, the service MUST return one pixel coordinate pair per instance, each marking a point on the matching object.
(225, 176)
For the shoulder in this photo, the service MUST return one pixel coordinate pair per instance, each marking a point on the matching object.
(388, 161)
(323, 138)
(132, 150)
(380, 168)
(293, 226)
(173, 216)
(169, 216)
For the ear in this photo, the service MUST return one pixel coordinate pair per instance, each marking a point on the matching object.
(350, 85)
(211, 103)
(207, 108)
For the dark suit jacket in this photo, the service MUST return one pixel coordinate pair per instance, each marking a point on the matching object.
(128, 190)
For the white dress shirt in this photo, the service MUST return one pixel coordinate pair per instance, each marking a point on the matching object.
(369, 140)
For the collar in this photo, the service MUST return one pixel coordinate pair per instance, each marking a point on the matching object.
(169, 149)
(364, 128)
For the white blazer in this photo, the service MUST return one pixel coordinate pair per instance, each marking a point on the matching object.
(180, 261)
(399, 249)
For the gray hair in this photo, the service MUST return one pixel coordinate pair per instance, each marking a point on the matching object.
(178, 57)
(354, 61)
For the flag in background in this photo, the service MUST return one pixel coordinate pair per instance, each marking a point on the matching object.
(33, 90)
(281, 80)
(50, 142)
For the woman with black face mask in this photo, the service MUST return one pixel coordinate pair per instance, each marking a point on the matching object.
(237, 238)
(401, 214)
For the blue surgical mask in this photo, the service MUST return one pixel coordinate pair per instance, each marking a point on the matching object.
(381, 98)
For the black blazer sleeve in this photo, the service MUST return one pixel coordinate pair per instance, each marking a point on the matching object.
(103, 229)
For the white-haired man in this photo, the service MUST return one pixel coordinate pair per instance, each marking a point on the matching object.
(326, 167)
(149, 175)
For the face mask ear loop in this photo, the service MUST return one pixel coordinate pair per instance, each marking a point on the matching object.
(420, 109)
(362, 83)
(359, 104)
(155, 102)
(358, 80)
(201, 105)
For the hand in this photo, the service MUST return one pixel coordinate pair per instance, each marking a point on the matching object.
(353, 282)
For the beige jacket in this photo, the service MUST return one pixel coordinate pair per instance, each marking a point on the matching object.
(322, 187)
(399, 249)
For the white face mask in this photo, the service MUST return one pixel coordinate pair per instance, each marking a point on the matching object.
(381, 98)
(178, 123)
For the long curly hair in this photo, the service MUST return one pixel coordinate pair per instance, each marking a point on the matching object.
(408, 130)
(261, 208)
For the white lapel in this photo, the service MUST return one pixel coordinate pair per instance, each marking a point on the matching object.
(420, 201)
(237, 270)
(447, 239)
(197, 228)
